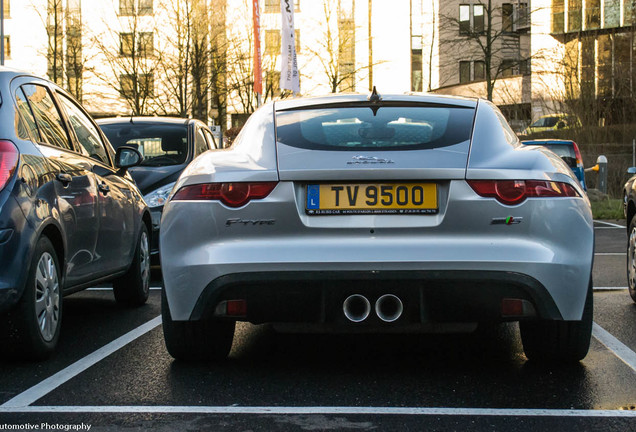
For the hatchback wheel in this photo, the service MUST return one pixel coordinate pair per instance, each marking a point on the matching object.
(34, 325)
(631, 259)
(563, 341)
(132, 289)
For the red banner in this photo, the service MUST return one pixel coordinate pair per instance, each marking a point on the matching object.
(258, 74)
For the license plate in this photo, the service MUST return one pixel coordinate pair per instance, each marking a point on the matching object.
(371, 198)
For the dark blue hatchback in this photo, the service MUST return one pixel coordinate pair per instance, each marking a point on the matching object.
(568, 151)
(70, 213)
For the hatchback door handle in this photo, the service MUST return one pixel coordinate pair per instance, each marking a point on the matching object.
(64, 178)
(104, 188)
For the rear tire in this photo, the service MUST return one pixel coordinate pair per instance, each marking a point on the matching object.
(631, 258)
(196, 340)
(34, 324)
(132, 289)
(560, 341)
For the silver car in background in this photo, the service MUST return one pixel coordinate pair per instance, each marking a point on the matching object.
(378, 213)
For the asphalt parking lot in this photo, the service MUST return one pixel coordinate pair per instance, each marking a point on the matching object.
(112, 372)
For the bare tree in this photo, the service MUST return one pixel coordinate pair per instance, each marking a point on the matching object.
(131, 57)
(335, 48)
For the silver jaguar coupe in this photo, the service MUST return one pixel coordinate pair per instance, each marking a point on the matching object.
(379, 213)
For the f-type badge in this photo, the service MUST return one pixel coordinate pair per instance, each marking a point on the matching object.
(510, 220)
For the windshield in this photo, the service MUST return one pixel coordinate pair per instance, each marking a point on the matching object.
(160, 144)
(546, 122)
(374, 128)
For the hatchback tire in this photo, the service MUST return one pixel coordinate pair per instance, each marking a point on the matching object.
(132, 289)
(631, 259)
(34, 324)
(196, 340)
(559, 341)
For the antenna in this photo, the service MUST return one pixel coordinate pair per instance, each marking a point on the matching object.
(374, 97)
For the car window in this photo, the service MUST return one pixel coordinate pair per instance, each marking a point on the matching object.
(47, 116)
(566, 153)
(374, 128)
(27, 129)
(160, 144)
(87, 133)
(200, 144)
(210, 138)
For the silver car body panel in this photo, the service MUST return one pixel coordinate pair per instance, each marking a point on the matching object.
(202, 241)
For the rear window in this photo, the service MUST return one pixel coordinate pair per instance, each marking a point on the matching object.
(566, 152)
(374, 128)
(160, 145)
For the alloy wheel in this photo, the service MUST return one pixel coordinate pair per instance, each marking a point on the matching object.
(47, 297)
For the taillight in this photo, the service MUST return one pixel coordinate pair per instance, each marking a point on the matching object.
(512, 192)
(233, 194)
(9, 156)
(577, 153)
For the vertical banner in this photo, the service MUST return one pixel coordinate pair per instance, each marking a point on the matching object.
(258, 74)
(289, 78)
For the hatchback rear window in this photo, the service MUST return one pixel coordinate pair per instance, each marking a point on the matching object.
(566, 152)
(374, 128)
(160, 144)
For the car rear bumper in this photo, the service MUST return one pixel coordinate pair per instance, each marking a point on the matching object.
(428, 297)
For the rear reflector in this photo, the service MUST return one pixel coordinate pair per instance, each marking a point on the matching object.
(511, 307)
(9, 156)
(231, 308)
(235, 194)
(512, 192)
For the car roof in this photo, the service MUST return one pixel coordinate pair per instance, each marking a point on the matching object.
(341, 98)
(547, 141)
(145, 120)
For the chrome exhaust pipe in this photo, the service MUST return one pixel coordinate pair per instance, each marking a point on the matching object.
(389, 308)
(356, 308)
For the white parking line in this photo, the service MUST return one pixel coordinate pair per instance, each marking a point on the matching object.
(614, 288)
(610, 253)
(618, 348)
(110, 288)
(613, 225)
(320, 410)
(41, 389)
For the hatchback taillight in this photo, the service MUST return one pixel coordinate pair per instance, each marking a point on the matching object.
(234, 194)
(9, 156)
(577, 153)
(512, 192)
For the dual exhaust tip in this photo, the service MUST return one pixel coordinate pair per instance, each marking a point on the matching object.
(357, 308)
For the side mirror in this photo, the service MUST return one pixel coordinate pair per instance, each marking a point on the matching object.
(126, 157)
(631, 170)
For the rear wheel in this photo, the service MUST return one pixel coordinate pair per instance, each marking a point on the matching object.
(196, 340)
(34, 325)
(631, 259)
(565, 341)
(132, 289)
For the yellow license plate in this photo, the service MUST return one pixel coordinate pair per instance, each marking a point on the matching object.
(371, 198)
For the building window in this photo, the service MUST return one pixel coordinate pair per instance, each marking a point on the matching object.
(143, 87)
(464, 19)
(143, 48)
(272, 84)
(629, 12)
(612, 13)
(558, 16)
(272, 42)
(7, 47)
(507, 12)
(478, 18)
(7, 9)
(592, 14)
(575, 14)
(135, 7)
(464, 72)
(507, 67)
(273, 6)
(480, 70)
(416, 70)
